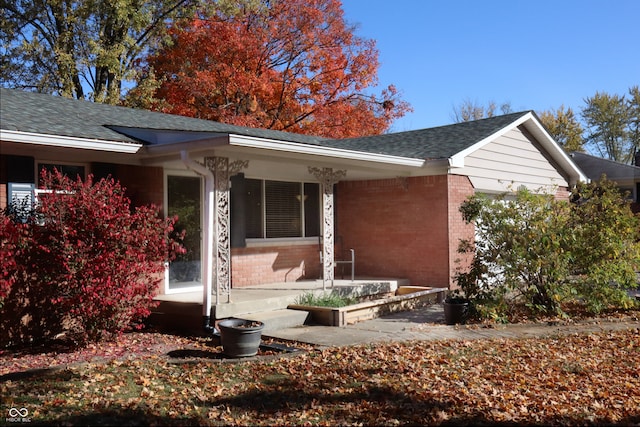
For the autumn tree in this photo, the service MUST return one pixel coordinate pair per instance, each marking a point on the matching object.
(564, 127)
(292, 65)
(612, 124)
(470, 110)
(80, 49)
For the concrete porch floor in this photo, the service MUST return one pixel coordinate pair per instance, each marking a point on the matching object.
(183, 311)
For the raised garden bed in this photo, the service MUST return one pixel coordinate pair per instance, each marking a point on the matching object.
(406, 298)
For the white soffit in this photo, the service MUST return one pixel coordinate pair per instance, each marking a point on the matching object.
(69, 142)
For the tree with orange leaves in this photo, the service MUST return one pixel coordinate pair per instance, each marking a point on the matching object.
(292, 65)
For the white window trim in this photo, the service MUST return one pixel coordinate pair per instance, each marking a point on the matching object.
(282, 241)
(262, 242)
(39, 162)
(165, 207)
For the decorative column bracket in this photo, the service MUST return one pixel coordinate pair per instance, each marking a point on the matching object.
(327, 178)
(222, 171)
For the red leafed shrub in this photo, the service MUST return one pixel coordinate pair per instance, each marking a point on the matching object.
(83, 263)
(9, 238)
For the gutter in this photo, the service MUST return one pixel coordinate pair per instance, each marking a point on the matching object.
(321, 151)
(208, 241)
(69, 142)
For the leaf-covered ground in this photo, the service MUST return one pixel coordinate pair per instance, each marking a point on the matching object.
(577, 379)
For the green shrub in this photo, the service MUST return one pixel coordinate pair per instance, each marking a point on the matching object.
(535, 250)
(606, 253)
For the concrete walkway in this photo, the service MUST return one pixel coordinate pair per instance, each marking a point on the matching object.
(428, 324)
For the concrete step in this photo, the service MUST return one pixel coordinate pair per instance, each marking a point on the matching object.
(279, 319)
(184, 312)
(243, 308)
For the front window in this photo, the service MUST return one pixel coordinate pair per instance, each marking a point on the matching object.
(281, 209)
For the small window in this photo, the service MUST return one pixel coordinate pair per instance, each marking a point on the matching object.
(21, 193)
(69, 170)
(627, 192)
(21, 200)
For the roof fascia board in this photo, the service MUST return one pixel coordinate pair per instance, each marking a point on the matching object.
(546, 140)
(69, 142)
(457, 160)
(318, 150)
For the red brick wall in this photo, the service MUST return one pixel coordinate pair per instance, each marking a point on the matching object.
(401, 227)
(252, 266)
(563, 193)
(459, 189)
(144, 184)
(3, 182)
(3, 195)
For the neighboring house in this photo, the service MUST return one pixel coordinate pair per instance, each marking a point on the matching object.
(626, 177)
(264, 202)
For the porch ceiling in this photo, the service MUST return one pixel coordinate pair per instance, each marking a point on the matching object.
(287, 161)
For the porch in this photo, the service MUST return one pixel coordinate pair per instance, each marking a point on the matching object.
(183, 312)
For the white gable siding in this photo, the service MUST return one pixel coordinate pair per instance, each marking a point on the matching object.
(509, 162)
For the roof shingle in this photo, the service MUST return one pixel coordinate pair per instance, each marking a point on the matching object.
(53, 115)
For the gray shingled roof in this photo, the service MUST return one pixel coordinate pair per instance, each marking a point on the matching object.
(53, 115)
(432, 143)
(594, 167)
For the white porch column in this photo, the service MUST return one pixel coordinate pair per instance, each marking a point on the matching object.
(223, 170)
(327, 177)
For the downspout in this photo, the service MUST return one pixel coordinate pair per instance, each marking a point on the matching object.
(208, 237)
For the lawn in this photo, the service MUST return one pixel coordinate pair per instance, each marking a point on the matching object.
(571, 379)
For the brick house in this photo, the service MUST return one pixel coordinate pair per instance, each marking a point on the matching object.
(265, 202)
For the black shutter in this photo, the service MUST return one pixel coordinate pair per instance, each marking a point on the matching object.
(21, 169)
(238, 209)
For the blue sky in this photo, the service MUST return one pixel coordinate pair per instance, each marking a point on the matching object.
(536, 55)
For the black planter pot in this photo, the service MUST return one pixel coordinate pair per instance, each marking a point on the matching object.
(456, 311)
(240, 337)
